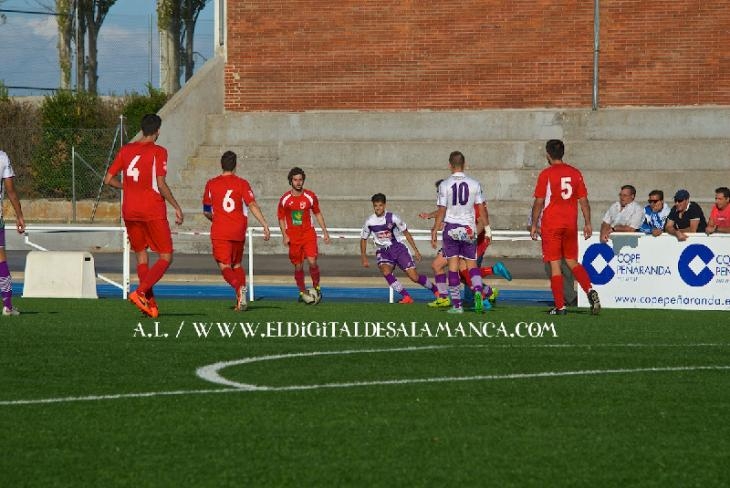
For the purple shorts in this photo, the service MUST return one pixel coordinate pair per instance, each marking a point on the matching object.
(395, 254)
(453, 248)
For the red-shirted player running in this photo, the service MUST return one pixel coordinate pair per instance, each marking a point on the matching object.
(226, 201)
(295, 221)
(144, 165)
(558, 192)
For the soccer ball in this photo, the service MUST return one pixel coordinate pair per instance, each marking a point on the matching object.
(315, 295)
(307, 297)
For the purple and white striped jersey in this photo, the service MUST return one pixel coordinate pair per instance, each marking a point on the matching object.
(6, 171)
(386, 229)
(459, 193)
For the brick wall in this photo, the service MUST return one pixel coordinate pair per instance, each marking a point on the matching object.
(294, 55)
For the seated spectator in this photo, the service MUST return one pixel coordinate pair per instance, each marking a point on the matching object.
(655, 214)
(685, 216)
(623, 216)
(720, 213)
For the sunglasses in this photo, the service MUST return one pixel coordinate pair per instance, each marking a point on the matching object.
(653, 201)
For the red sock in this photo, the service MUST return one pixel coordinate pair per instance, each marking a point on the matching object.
(142, 270)
(556, 285)
(465, 277)
(299, 279)
(241, 275)
(153, 276)
(314, 273)
(486, 271)
(230, 276)
(581, 276)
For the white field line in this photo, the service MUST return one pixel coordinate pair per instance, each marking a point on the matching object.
(211, 373)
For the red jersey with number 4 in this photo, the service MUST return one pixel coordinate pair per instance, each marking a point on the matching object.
(561, 185)
(229, 197)
(141, 163)
(297, 211)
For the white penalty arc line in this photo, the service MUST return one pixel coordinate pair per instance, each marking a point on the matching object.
(211, 373)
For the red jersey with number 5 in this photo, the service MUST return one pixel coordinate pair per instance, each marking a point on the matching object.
(141, 163)
(561, 185)
(229, 197)
(297, 211)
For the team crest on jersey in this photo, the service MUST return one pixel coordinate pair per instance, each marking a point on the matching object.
(302, 205)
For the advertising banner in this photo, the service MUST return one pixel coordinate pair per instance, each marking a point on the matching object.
(640, 271)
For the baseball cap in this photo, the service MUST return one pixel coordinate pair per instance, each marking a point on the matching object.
(681, 195)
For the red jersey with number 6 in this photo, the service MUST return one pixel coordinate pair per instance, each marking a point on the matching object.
(229, 197)
(297, 211)
(141, 163)
(561, 185)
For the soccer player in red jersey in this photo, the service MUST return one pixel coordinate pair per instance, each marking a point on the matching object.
(558, 193)
(226, 201)
(295, 221)
(144, 166)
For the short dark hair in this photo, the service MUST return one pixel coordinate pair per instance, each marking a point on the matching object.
(630, 188)
(228, 161)
(657, 193)
(296, 170)
(555, 148)
(456, 159)
(150, 124)
(378, 197)
(724, 190)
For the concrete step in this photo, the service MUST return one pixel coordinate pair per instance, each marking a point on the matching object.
(649, 154)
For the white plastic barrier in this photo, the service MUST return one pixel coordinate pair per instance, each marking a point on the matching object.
(59, 274)
(639, 271)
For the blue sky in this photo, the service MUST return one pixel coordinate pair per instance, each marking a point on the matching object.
(128, 47)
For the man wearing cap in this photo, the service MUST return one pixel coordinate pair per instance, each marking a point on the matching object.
(685, 216)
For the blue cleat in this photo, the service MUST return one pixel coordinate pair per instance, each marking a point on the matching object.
(501, 270)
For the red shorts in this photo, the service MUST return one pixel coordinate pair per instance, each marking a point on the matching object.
(154, 234)
(227, 252)
(302, 248)
(558, 244)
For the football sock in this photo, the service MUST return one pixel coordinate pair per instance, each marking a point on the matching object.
(476, 279)
(465, 277)
(454, 289)
(299, 279)
(314, 273)
(6, 285)
(153, 276)
(395, 284)
(486, 271)
(556, 285)
(240, 275)
(142, 270)
(441, 284)
(231, 278)
(581, 276)
(426, 283)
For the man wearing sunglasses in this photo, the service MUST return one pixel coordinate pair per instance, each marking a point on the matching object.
(685, 217)
(655, 214)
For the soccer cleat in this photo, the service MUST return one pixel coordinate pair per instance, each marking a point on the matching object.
(594, 301)
(154, 311)
(440, 302)
(455, 310)
(558, 311)
(319, 291)
(478, 305)
(501, 270)
(406, 299)
(301, 297)
(241, 304)
(140, 301)
(10, 312)
(493, 296)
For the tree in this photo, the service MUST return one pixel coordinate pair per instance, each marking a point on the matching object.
(79, 22)
(176, 20)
